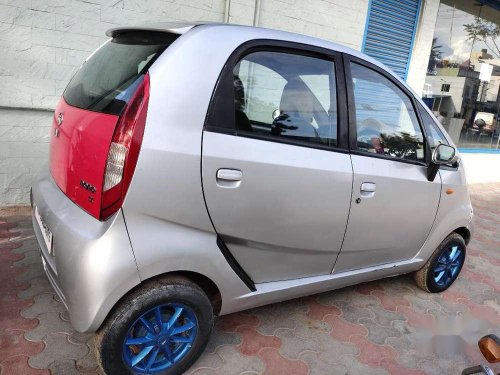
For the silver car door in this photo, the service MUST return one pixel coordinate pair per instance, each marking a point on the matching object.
(393, 203)
(276, 183)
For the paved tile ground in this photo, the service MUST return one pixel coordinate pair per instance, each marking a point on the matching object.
(382, 327)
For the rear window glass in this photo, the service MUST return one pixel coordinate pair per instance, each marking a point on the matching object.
(106, 81)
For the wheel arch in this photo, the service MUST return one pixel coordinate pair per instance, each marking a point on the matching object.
(465, 233)
(205, 283)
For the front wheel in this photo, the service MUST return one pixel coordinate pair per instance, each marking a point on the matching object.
(442, 269)
(161, 328)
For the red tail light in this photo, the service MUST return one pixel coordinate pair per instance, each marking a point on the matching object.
(124, 150)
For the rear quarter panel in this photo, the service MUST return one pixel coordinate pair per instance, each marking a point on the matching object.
(168, 223)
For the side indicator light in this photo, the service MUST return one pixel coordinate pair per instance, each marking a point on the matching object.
(449, 191)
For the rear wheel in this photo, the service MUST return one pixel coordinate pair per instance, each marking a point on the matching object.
(442, 269)
(162, 328)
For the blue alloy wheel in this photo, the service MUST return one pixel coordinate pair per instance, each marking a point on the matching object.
(448, 265)
(160, 338)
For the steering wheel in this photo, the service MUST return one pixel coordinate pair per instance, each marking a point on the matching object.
(403, 151)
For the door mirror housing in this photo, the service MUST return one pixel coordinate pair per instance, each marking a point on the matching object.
(444, 154)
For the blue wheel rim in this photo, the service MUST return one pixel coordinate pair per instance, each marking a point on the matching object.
(160, 338)
(448, 265)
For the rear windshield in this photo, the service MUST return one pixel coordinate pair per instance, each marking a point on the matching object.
(106, 81)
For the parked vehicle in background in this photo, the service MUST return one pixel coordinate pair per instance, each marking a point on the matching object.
(484, 123)
(199, 170)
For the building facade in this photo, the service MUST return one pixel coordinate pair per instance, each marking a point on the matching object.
(45, 41)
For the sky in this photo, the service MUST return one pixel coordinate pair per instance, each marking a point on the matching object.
(452, 36)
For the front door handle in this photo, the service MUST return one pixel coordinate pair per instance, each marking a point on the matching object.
(229, 178)
(368, 189)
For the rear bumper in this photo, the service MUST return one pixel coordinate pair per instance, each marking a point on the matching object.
(93, 264)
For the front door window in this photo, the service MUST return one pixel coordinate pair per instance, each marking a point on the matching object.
(386, 122)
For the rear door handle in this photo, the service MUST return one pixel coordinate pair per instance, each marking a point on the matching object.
(229, 174)
(368, 189)
(229, 178)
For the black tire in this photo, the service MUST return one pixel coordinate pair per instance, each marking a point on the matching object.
(110, 337)
(424, 277)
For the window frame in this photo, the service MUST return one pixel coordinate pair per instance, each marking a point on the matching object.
(422, 108)
(353, 144)
(423, 112)
(222, 100)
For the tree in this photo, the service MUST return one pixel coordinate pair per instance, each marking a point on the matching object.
(486, 32)
(435, 56)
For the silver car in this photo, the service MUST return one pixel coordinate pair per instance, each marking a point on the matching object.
(201, 169)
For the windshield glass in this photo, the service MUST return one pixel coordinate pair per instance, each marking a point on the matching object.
(106, 81)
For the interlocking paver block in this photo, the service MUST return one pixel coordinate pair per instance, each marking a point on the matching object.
(219, 338)
(293, 346)
(81, 338)
(276, 364)
(235, 363)
(377, 333)
(37, 286)
(210, 360)
(12, 343)
(49, 322)
(318, 367)
(63, 367)
(43, 303)
(307, 327)
(57, 346)
(30, 258)
(18, 365)
(88, 363)
(27, 245)
(34, 271)
(376, 328)
(272, 319)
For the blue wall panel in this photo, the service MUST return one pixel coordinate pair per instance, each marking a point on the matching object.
(390, 32)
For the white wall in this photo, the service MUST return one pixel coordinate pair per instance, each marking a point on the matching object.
(481, 168)
(23, 150)
(44, 41)
(452, 100)
(422, 45)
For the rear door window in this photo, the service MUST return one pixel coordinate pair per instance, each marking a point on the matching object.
(108, 78)
(286, 96)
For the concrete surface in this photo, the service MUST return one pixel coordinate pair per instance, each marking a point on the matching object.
(383, 327)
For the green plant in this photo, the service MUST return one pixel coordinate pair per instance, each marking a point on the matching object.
(486, 32)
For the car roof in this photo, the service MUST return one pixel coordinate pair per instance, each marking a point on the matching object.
(183, 27)
(254, 33)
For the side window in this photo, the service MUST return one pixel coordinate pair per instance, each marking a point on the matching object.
(435, 135)
(385, 119)
(286, 95)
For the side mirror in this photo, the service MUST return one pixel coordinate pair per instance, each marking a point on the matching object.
(444, 154)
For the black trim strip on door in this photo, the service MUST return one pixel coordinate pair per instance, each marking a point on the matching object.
(235, 265)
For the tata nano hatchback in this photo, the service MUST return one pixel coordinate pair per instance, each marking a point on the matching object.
(198, 170)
